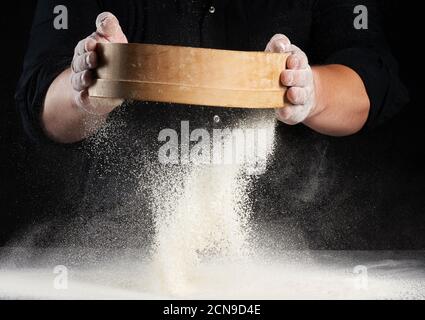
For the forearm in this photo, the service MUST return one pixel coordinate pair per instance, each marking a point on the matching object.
(342, 103)
(62, 119)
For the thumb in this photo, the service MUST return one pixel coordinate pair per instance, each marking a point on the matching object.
(109, 27)
(279, 44)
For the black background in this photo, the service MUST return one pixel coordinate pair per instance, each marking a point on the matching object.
(396, 150)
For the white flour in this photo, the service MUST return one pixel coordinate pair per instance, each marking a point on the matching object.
(204, 248)
(291, 275)
(203, 212)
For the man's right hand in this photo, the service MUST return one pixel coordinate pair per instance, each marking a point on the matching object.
(85, 61)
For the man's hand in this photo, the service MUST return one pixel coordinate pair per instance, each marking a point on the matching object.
(69, 114)
(299, 79)
(85, 60)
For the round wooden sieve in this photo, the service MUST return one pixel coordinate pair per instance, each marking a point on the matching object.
(190, 76)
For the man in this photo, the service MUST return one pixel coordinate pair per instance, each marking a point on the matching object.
(341, 79)
(355, 81)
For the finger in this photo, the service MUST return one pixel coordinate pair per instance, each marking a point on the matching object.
(284, 114)
(82, 80)
(296, 50)
(279, 36)
(96, 106)
(109, 27)
(295, 78)
(291, 115)
(86, 45)
(99, 38)
(279, 44)
(297, 61)
(83, 100)
(84, 62)
(297, 96)
(95, 36)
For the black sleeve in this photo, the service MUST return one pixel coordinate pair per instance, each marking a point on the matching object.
(335, 40)
(50, 52)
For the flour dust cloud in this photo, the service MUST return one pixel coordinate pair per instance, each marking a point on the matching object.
(202, 242)
(202, 212)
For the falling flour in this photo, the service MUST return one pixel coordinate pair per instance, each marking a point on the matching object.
(205, 245)
(202, 212)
